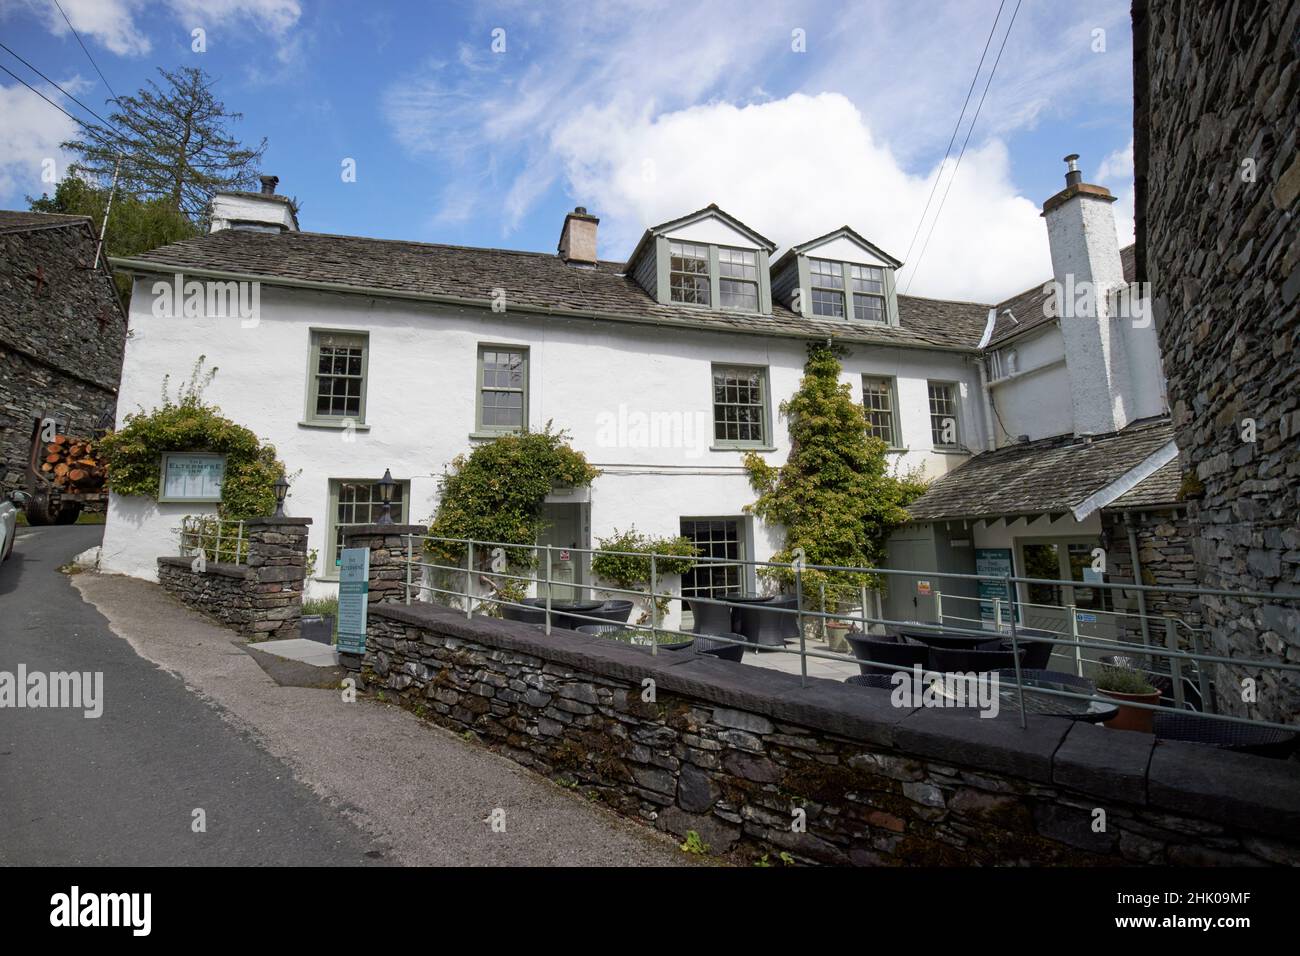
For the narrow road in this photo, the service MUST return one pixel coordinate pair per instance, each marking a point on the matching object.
(286, 775)
(122, 788)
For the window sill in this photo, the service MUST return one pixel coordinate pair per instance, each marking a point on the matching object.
(742, 448)
(336, 426)
(897, 451)
(488, 436)
(950, 450)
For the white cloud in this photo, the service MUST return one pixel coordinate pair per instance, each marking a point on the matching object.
(820, 168)
(597, 95)
(29, 136)
(1116, 173)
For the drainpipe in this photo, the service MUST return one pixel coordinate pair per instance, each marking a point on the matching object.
(1130, 527)
(990, 436)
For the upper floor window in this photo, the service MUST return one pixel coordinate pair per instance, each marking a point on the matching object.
(944, 431)
(502, 389)
(881, 408)
(868, 284)
(738, 279)
(688, 273)
(827, 279)
(337, 383)
(739, 405)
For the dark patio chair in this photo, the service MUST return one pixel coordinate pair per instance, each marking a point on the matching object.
(711, 617)
(1195, 728)
(1037, 654)
(878, 681)
(946, 660)
(528, 615)
(616, 612)
(885, 652)
(607, 630)
(725, 652)
(771, 624)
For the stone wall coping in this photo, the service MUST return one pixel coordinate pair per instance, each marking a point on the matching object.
(371, 530)
(270, 519)
(224, 568)
(1240, 790)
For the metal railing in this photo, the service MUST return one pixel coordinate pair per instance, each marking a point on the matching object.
(490, 581)
(215, 538)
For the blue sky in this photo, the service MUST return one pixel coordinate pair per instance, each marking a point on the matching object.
(639, 111)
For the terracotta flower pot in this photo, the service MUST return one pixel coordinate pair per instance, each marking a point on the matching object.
(1133, 718)
(835, 639)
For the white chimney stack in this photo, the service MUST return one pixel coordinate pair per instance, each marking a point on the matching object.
(1087, 270)
(259, 212)
(578, 237)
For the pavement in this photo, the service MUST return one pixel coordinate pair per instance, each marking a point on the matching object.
(285, 774)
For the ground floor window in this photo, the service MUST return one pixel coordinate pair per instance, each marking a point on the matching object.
(720, 538)
(355, 502)
(1064, 561)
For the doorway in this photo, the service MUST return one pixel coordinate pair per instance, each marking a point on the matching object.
(1048, 606)
(567, 528)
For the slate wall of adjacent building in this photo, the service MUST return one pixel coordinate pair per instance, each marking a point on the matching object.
(61, 340)
(1165, 553)
(1218, 175)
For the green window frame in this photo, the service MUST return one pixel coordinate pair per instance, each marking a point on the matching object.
(944, 405)
(337, 374)
(501, 399)
(741, 418)
(688, 273)
(867, 283)
(738, 279)
(826, 279)
(880, 401)
(356, 501)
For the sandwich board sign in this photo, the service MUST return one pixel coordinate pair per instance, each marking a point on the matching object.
(354, 597)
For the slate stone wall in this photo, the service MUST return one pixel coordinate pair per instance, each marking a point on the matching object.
(739, 754)
(261, 599)
(1165, 552)
(60, 345)
(1218, 174)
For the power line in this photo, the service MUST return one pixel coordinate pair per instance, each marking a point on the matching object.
(87, 52)
(64, 92)
(966, 141)
(956, 127)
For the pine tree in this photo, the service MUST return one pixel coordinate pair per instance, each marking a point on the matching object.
(174, 144)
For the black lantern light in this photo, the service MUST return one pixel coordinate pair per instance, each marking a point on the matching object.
(281, 490)
(386, 486)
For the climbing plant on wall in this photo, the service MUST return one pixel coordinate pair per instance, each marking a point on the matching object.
(835, 496)
(133, 453)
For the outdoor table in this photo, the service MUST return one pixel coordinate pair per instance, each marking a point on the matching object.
(1050, 705)
(559, 617)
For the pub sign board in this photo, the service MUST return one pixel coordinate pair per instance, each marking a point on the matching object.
(191, 477)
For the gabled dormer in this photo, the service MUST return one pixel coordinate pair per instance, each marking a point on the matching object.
(707, 260)
(838, 276)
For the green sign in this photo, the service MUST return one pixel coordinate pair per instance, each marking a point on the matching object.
(191, 476)
(996, 563)
(354, 596)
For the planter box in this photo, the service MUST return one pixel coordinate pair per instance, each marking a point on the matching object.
(318, 627)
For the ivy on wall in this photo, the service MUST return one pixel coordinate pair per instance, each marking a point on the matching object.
(133, 453)
(496, 492)
(835, 496)
(632, 568)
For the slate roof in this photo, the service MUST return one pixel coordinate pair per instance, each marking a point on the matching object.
(1047, 476)
(1028, 307)
(1161, 488)
(535, 280)
(13, 220)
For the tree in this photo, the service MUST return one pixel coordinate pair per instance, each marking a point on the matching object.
(135, 224)
(835, 496)
(174, 145)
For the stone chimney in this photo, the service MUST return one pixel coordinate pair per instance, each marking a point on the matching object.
(256, 212)
(1086, 268)
(578, 237)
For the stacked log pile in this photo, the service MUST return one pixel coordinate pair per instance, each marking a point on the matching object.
(71, 463)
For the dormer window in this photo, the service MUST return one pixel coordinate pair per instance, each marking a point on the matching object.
(738, 279)
(868, 284)
(827, 288)
(688, 273)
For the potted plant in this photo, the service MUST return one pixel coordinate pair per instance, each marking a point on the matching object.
(1127, 684)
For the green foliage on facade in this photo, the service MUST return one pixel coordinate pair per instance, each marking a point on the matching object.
(133, 453)
(496, 492)
(835, 496)
(632, 569)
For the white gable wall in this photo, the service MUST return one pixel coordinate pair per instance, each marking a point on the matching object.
(844, 249)
(711, 230)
